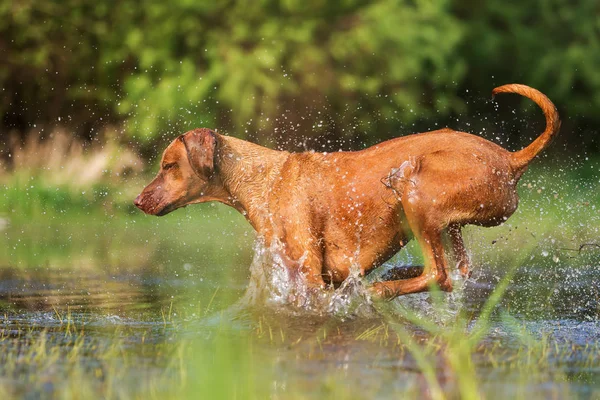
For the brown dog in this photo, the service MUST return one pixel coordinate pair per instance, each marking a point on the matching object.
(331, 211)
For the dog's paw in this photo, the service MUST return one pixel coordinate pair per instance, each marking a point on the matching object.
(381, 291)
(464, 270)
(466, 273)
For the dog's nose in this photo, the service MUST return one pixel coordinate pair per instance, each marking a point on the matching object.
(138, 202)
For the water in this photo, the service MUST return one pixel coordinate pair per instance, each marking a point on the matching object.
(120, 321)
(38, 303)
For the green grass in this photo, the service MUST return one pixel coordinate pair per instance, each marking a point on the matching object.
(73, 365)
(72, 232)
(450, 360)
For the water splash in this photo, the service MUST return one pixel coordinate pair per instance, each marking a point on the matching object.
(273, 285)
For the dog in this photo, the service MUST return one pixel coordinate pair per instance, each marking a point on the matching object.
(331, 212)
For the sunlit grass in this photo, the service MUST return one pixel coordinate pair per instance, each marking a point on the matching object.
(58, 159)
(67, 362)
(457, 359)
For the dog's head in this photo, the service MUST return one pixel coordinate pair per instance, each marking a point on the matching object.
(186, 175)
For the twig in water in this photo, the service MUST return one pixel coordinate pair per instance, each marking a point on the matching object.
(581, 247)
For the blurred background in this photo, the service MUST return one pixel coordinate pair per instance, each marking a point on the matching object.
(292, 73)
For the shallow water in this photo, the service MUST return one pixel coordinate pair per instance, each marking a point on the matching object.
(353, 348)
(132, 295)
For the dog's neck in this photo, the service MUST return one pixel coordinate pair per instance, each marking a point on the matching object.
(247, 172)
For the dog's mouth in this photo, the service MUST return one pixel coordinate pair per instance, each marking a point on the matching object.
(159, 212)
(151, 207)
(165, 210)
(156, 210)
(154, 204)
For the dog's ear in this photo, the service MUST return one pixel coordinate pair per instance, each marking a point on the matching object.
(200, 146)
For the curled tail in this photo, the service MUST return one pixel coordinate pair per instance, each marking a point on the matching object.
(523, 157)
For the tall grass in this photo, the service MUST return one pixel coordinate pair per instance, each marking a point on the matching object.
(61, 160)
(59, 173)
(271, 357)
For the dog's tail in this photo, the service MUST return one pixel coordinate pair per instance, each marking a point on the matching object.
(523, 157)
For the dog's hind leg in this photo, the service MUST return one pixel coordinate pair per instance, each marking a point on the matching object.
(436, 267)
(458, 247)
(435, 271)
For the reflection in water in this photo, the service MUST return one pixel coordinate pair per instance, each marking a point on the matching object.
(42, 290)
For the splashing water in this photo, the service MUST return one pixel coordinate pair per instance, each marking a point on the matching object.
(272, 285)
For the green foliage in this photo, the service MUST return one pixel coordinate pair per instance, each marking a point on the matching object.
(57, 61)
(289, 70)
(537, 42)
(268, 65)
(552, 45)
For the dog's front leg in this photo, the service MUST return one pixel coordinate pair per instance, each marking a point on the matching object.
(306, 264)
(301, 258)
(304, 270)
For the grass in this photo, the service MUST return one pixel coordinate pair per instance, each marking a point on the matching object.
(57, 159)
(46, 365)
(456, 359)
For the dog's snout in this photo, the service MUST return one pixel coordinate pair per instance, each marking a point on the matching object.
(138, 201)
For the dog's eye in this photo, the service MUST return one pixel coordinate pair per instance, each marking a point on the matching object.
(169, 166)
